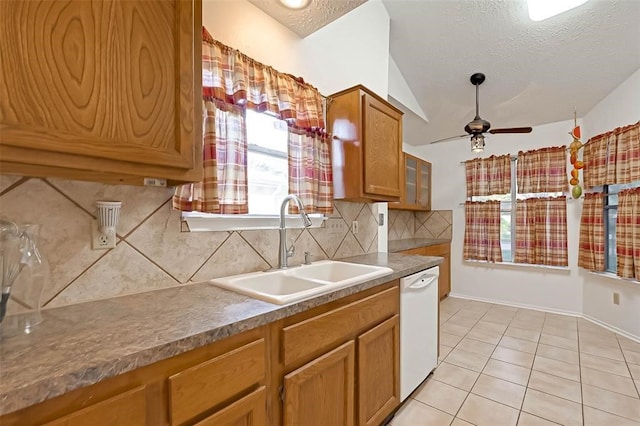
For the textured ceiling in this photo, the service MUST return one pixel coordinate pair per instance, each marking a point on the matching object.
(310, 19)
(537, 72)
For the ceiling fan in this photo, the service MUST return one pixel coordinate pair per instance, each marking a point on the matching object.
(478, 126)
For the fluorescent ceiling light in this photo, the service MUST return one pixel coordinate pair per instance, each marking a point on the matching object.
(542, 9)
(295, 4)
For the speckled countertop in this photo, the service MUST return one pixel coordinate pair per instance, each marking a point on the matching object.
(82, 344)
(410, 243)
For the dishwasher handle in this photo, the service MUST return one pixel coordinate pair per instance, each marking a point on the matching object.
(424, 281)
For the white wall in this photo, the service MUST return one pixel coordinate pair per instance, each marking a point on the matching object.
(619, 108)
(528, 286)
(353, 49)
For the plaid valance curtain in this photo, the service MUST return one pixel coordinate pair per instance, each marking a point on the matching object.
(230, 76)
(613, 157)
(628, 234)
(591, 251)
(231, 83)
(542, 170)
(541, 231)
(488, 176)
(482, 231)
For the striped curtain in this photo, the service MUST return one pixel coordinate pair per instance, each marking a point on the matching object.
(591, 247)
(541, 231)
(542, 170)
(223, 188)
(482, 231)
(628, 234)
(613, 157)
(310, 174)
(488, 176)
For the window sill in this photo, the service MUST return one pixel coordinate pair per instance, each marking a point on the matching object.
(612, 276)
(198, 222)
(517, 265)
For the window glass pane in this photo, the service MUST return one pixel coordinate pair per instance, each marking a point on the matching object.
(267, 164)
(268, 183)
(505, 236)
(612, 214)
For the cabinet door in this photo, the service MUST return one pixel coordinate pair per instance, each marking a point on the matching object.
(321, 393)
(382, 148)
(379, 372)
(248, 411)
(424, 188)
(410, 180)
(104, 80)
(126, 409)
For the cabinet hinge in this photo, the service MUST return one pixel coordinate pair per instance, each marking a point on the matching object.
(281, 392)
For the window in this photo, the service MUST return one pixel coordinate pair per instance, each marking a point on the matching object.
(508, 212)
(610, 216)
(267, 163)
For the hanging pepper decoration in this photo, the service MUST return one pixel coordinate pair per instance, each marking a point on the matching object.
(574, 149)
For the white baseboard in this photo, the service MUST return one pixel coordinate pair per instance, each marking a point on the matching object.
(612, 328)
(551, 310)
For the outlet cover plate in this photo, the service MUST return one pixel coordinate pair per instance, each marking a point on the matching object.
(100, 241)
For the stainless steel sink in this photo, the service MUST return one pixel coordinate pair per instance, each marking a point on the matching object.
(295, 284)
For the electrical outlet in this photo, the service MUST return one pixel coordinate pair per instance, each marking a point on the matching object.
(100, 241)
(616, 298)
(354, 227)
(334, 226)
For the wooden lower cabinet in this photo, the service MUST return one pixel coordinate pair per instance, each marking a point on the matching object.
(248, 411)
(321, 393)
(379, 372)
(334, 365)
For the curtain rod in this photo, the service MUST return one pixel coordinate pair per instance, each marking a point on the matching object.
(515, 157)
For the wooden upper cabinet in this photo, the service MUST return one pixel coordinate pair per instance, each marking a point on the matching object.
(416, 193)
(101, 90)
(367, 146)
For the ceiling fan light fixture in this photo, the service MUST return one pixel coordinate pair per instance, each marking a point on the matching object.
(539, 10)
(295, 4)
(477, 142)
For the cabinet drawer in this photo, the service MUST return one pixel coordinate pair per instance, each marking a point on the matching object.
(250, 410)
(318, 334)
(126, 409)
(203, 386)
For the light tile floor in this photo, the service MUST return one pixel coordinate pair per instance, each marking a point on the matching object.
(501, 365)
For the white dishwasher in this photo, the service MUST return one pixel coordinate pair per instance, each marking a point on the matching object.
(418, 328)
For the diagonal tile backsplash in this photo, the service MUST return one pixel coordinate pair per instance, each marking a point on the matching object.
(421, 224)
(152, 252)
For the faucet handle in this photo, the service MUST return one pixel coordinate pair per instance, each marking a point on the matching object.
(307, 258)
(292, 249)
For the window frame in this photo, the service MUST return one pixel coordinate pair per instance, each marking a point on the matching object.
(609, 238)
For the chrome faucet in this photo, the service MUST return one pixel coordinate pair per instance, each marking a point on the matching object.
(285, 253)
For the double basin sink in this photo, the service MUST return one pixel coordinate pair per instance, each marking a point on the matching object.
(302, 282)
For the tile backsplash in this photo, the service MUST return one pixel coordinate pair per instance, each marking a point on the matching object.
(408, 224)
(151, 251)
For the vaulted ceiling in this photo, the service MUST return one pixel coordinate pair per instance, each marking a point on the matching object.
(537, 72)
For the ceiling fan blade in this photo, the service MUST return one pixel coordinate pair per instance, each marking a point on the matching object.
(511, 130)
(450, 138)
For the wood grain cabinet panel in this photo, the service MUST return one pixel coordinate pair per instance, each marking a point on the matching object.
(112, 85)
(321, 393)
(366, 146)
(203, 386)
(318, 334)
(248, 411)
(126, 409)
(379, 372)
